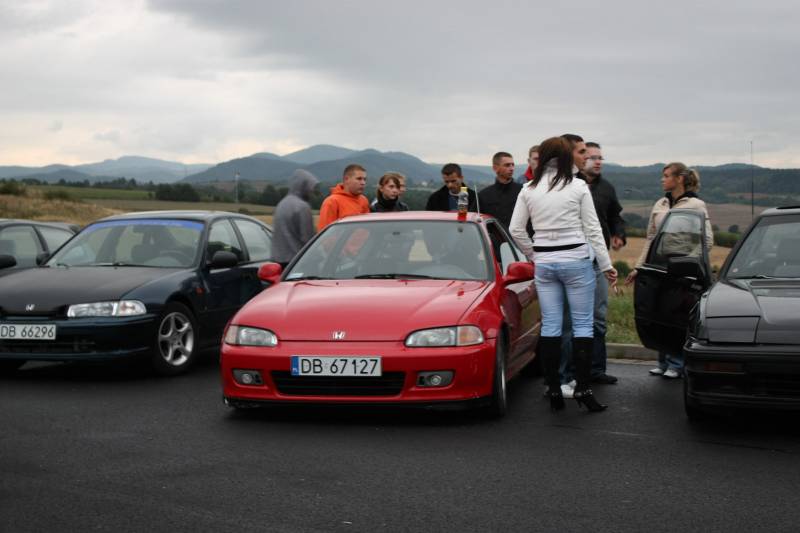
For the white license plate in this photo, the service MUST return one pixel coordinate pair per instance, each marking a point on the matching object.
(313, 365)
(34, 332)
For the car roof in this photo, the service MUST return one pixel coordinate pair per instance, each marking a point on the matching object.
(189, 214)
(60, 225)
(415, 215)
(785, 210)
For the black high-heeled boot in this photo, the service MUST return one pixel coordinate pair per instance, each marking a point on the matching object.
(550, 352)
(582, 356)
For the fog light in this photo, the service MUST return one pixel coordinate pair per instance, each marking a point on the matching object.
(438, 378)
(247, 377)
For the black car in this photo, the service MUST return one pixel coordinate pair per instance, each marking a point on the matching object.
(159, 284)
(22, 242)
(740, 336)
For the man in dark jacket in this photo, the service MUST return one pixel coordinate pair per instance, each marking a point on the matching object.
(446, 198)
(499, 198)
(293, 224)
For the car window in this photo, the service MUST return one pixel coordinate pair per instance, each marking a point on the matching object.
(21, 242)
(442, 250)
(140, 242)
(54, 237)
(681, 235)
(501, 244)
(222, 237)
(772, 249)
(256, 239)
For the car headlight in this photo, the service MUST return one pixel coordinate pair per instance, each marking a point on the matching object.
(120, 308)
(450, 336)
(246, 336)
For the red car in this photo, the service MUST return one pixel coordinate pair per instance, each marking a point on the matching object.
(413, 308)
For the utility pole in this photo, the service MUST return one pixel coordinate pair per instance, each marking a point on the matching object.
(752, 184)
(236, 186)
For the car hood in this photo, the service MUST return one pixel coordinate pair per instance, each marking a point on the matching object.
(775, 302)
(365, 310)
(50, 289)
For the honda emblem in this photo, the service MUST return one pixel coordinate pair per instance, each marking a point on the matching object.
(30, 307)
(338, 335)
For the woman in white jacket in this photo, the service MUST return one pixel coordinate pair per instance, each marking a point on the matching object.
(567, 238)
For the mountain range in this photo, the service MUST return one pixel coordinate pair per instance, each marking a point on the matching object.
(328, 161)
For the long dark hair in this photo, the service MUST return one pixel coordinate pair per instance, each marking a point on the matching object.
(559, 149)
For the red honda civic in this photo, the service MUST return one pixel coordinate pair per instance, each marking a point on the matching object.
(415, 308)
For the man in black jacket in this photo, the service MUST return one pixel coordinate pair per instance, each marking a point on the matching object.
(446, 198)
(499, 198)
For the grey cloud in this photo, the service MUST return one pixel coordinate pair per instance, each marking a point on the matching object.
(112, 136)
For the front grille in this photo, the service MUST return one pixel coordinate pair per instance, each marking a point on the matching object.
(389, 384)
(75, 345)
(775, 385)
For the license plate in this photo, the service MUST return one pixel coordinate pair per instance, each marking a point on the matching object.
(313, 365)
(35, 332)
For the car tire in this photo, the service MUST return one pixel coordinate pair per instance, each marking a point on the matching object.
(176, 340)
(7, 366)
(498, 404)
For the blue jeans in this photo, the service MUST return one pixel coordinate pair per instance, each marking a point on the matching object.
(670, 360)
(576, 281)
(599, 355)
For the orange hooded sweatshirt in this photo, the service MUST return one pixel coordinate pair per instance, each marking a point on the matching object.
(341, 204)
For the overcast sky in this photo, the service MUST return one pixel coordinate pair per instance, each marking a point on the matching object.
(204, 81)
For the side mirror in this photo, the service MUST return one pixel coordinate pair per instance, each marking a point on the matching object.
(270, 272)
(223, 259)
(7, 261)
(685, 267)
(42, 258)
(518, 272)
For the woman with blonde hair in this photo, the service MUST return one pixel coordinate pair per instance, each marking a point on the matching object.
(387, 197)
(567, 238)
(681, 184)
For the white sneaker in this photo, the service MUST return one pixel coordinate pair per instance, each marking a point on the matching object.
(567, 391)
(656, 371)
(671, 373)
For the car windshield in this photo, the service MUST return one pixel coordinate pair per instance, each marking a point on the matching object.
(144, 242)
(770, 250)
(407, 249)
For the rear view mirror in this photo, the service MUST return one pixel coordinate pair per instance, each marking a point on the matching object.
(518, 272)
(223, 259)
(685, 267)
(7, 261)
(270, 272)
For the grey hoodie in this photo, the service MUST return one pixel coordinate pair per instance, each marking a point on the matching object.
(292, 224)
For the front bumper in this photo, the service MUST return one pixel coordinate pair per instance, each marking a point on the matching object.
(84, 339)
(473, 368)
(742, 376)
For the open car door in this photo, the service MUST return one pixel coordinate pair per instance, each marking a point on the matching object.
(669, 283)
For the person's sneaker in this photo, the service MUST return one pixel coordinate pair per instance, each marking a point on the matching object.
(656, 371)
(671, 373)
(567, 391)
(604, 379)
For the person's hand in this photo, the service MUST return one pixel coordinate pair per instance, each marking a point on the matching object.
(611, 275)
(617, 243)
(631, 277)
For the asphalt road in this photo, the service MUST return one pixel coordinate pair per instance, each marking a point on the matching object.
(105, 449)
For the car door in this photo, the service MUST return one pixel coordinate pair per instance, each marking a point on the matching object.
(664, 293)
(223, 286)
(257, 245)
(518, 302)
(53, 237)
(21, 242)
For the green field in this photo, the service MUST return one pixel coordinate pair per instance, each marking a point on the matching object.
(157, 205)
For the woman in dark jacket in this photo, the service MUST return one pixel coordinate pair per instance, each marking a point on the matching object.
(387, 197)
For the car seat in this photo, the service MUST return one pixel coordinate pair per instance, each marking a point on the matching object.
(787, 258)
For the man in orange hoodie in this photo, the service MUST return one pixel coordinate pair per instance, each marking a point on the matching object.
(346, 198)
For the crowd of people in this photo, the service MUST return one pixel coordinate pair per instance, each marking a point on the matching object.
(564, 217)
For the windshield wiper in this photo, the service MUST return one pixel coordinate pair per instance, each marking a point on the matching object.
(755, 276)
(300, 278)
(394, 276)
(112, 264)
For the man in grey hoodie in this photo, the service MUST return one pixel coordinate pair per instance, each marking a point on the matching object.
(293, 224)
